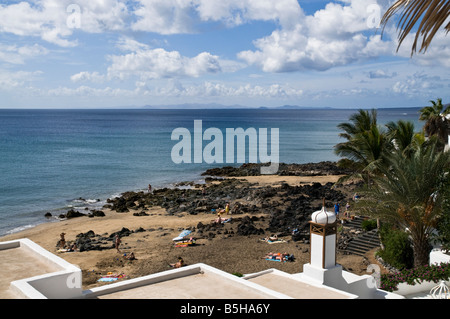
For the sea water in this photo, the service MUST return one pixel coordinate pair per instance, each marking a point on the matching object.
(55, 160)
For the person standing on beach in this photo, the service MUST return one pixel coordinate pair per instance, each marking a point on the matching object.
(62, 240)
(227, 208)
(117, 243)
(149, 188)
(336, 209)
(347, 209)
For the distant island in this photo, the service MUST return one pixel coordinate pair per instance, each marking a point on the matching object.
(206, 106)
(217, 106)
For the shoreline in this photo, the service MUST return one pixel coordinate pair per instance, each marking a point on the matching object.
(245, 170)
(259, 204)
(86, 204)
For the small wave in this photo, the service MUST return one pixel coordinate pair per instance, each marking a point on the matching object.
(20, 228)
(84, 151)
(83, 200)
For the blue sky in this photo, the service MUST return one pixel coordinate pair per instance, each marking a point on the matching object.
(119, 53)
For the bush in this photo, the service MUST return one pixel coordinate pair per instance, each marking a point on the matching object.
(443, 228)
(443, 224)
(434, 273)
(369, 224)
(397, 250)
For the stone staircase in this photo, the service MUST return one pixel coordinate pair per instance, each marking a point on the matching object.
(361, 241)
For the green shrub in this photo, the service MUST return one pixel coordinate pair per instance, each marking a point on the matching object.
(443, 223)
(369, 224)
(397, 250)
(443, 226)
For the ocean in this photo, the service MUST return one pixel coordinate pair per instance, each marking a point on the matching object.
(55, 160)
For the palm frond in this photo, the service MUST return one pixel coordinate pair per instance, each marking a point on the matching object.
(433, 14)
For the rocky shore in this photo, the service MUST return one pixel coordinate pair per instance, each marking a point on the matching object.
(254, 169)
(284, 210)
(259, 207)
(287, 207)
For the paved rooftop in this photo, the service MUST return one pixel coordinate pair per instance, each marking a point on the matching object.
(199, 286)
(19, 263)
(296, 289)
(201, 281)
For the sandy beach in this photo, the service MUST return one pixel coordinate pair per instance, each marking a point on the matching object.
(151, 240)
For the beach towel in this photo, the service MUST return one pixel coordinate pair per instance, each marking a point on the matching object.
(111, 277)
(278, 241)
(273, 259)
(68, 250)
(184, 244)
(183, 234)
(286, 258)
(107, 279)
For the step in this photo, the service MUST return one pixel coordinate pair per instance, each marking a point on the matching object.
(356, 251)
(361, 244)
(353, 223)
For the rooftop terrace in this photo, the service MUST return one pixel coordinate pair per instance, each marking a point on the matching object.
(29, 271)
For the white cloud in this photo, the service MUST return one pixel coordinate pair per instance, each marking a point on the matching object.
(164, 16)
(174, 89)
(381, 74)
(104, 15)
(141, 62)
(18, 55)
(333, 36)
(418, 85)
(129, 44)
(12, 80)
(86, 91)
(55, 21)
(438, 53)
(209, 89)
(183, 16)
(236, 12)
(87, 77)
(159, 63)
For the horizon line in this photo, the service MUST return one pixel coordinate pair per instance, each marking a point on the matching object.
(206, 107)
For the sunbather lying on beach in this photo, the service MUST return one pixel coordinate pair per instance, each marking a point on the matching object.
(73, 247)
(279, 256)
(130, 256)
(178, 264)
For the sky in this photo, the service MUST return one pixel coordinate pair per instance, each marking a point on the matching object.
(131, 53)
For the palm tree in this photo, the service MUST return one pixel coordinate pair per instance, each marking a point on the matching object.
(360, 122)
(401, 134)
(436, 120)
(409, 193)
(365, 146)
(434, 14)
